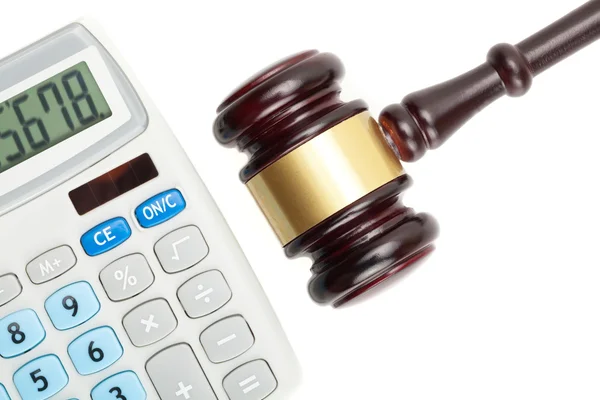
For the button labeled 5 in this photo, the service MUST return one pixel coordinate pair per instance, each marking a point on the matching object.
(73, 305)
(20, 332)
(106, 236)
(95, 350)
(41, 378)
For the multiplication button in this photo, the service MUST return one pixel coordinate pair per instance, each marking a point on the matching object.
(204, 294)
(177, 375)
(251, 381)
(181, 249)
(150, 322)
(127, 277)
(51, 264)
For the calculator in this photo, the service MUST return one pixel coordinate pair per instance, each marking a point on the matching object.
(119, 277)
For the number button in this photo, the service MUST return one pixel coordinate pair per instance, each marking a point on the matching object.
(95, 350)
(72, 305)
(3, 393)
(20, 332)
(41, 378)
(122, 386)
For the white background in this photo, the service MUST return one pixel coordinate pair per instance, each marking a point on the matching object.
(507, 308)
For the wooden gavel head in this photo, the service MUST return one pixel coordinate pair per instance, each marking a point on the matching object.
(328, 177)
(324, 176)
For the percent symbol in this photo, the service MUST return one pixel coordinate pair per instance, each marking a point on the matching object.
(121, 275)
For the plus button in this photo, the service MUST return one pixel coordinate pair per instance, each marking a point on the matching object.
(184, 391)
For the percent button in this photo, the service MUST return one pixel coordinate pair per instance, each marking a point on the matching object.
(127, 277)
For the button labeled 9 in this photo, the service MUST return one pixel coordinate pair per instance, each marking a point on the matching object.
(72, 305)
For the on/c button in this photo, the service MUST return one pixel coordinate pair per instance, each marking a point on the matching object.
(160, 208)
(106, 236)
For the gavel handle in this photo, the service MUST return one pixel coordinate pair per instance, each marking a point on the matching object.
(427, 118)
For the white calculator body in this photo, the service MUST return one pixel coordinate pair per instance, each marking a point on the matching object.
(119, 278)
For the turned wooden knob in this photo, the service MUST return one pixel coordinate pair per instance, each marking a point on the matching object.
(324, 175)
(427, 118)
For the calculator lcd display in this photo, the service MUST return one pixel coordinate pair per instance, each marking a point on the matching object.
(48, 113)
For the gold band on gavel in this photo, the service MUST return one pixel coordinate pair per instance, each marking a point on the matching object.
(324, 175)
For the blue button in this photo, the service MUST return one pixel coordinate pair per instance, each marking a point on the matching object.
(95, 350)
(125, 385)
(72, 305)
(20, 332)
(3, 393)
(160, 208)
(41, 378)
(105, 236)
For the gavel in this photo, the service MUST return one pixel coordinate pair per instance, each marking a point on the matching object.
(329, 178)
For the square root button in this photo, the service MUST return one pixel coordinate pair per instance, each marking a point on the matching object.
(181, 249)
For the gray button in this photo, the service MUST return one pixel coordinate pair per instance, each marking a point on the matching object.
(150, 322)
(176, 375)
(204, 294)
(181, 249)
(126, 277)
(227, 339)
(252, 381)
(10, 287)
(51, 264)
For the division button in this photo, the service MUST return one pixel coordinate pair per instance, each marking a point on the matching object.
(181, 249)
(227, 339)
(127, 277)
(150, 322)
(177, 375)
(204, 294)
(251, 381)
(10, 288)
(51, 264)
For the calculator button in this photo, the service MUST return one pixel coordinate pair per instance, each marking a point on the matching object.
(204, 294)
(10, 288)
(160, 208)
(106, 236)
(51, 264)
(41, 378)
(72, 305)
(150, 322)
(127, 277)
(125, 385)
(20, 332)
(227, 339)
(3, 393)
(176, 375)
(181, 249)
(251, 381)
(95, 350)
